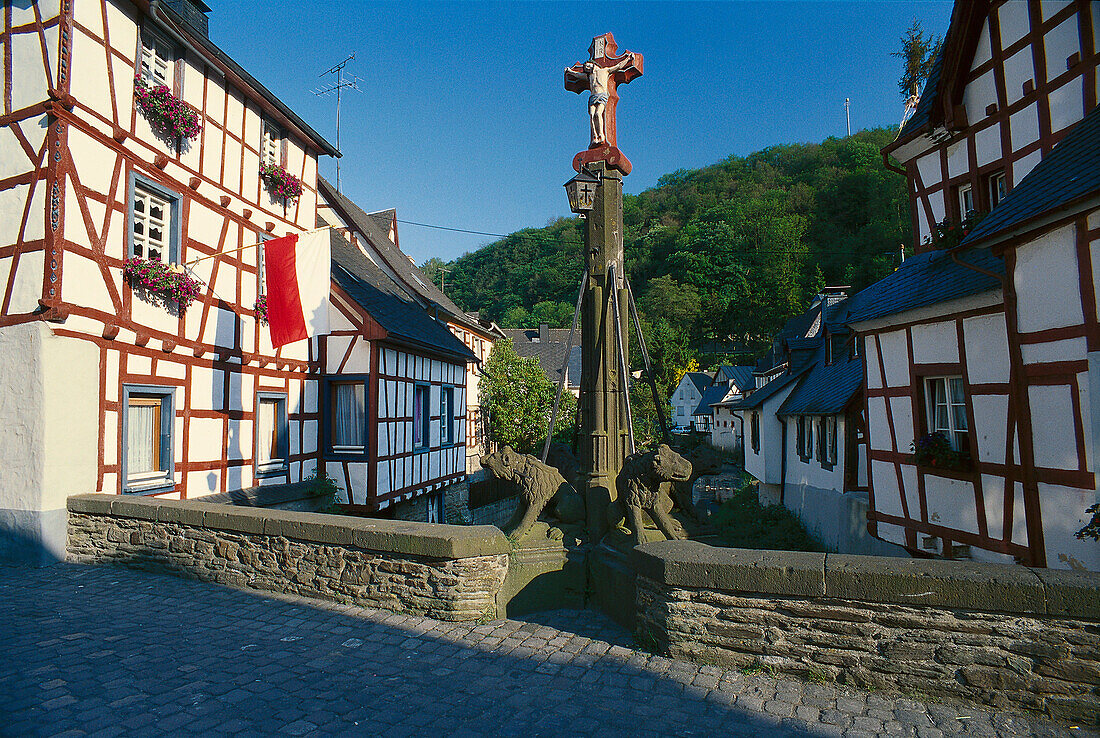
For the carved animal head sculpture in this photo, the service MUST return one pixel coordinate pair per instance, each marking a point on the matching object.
(538, 484)
(640, 487)
(670, 466)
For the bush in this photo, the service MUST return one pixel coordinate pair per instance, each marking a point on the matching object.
(324, 488)
(743, 522)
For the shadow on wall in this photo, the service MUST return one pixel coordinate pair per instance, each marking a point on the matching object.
(32, 537)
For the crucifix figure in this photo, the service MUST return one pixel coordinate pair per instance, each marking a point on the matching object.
(600, 75)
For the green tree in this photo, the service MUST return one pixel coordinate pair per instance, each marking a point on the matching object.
(518, 400)
(917, 54)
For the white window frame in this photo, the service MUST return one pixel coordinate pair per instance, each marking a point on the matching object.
(447, 415)
(966, 200)
(278, 463)
(158, 59)
(150, 194)
(271, 143)
(998, 188)
(161, 478)
(955, 435)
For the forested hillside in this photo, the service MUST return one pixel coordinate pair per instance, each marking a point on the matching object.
(730, 250)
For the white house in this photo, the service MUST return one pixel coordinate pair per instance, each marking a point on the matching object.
(990, 343)
(685, 399)
(713, 413)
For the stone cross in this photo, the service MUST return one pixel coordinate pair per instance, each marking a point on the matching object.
(607, 71)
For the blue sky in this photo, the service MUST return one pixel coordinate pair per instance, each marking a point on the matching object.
(463, 120)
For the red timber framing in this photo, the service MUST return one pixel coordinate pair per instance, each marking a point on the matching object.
(972, 19)
(384, 476)
(78, 178)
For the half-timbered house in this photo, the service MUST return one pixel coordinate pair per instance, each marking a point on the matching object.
(109, 385)
(376, 235)
(393, 395)
(978, 354)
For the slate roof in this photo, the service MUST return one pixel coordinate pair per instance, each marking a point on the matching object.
(757, 398)
(701, 380)
(551, 353)
(925, 279)
(825, 390)
(375, 226)
(739, 375)
(711, 396)
(1070, 172)
(405, 320)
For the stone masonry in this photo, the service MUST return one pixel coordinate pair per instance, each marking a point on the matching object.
(1005, 636)
(445, 572)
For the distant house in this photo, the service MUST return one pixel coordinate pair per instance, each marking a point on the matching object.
(981, 356)
(805, 433)
(686, 397)
(549, 345)
(729, 385)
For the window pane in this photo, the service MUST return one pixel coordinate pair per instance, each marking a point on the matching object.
(958, 413)
(957, 390)
(348, 414)
(266, 433)
(142, 437)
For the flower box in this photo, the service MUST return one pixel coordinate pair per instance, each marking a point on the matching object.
(281, 182)
(162, 279)
(165, 112)
(933, 450)
(947, 234)
(260, 308)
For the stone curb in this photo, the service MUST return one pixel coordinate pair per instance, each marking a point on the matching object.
(917, 582)
(387, 536)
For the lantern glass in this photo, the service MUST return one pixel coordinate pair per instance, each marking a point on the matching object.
(581, 191)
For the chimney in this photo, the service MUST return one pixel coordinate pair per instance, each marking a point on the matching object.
(544, 333)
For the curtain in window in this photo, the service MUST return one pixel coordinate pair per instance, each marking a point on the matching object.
(142, 438)
(265, 432)
(939, 403)
(418, 416)
(348, 415)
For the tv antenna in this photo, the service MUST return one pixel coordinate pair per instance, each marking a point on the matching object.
(443, 279)
(352, 83)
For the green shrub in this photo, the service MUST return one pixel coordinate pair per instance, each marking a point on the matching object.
(743, 522)
(324, 488)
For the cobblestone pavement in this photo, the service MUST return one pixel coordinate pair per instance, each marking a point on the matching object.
(110, 651)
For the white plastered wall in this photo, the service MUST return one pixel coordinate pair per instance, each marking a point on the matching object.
(49, 430)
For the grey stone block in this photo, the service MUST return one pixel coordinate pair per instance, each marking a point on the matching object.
(183, 512)
(94, 504)
(934, 583)
(139, 508)
(241, 520)
(694, 564)
(1071, 593)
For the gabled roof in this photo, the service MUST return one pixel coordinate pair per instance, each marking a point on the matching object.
(926, 279)
(701, 380)
(404, 320)
(826, 389)
(941, 100)
(758, 397)
(741, 376)
(711, 396)
(370, 225)
(1069, 174)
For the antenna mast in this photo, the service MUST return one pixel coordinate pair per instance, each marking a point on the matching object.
(847, 118)
(340, 84)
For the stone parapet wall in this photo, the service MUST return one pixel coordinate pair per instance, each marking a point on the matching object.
(1006, 636)
(443, 571)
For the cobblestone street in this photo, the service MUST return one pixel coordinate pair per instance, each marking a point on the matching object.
(109, 651)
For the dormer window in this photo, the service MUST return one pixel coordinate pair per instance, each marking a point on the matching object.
(271, 145)
(157, 59)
